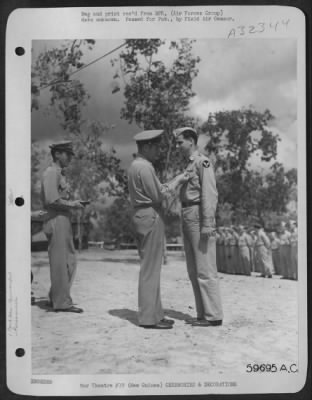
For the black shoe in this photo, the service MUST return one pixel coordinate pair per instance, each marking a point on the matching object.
(167, 321)
(207, 323)
(160, 325)
(191, 320)
(70, 309)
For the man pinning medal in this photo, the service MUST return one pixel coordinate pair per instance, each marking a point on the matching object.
(146, 195)
(199, 199)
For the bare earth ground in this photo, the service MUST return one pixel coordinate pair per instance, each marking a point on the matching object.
(260, 324)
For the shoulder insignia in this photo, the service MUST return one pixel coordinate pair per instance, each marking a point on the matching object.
(206, 164)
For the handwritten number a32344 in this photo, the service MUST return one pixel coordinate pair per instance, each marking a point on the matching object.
(251, 29)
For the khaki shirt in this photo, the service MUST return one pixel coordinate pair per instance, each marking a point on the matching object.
(144, 186)
(293, 237)
(54, 188)
(275, 244)
(244, 240)
(284, 238)
(263, 240)
(201, 187)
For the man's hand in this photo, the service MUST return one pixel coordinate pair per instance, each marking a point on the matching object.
(184, 177)
(207, 233)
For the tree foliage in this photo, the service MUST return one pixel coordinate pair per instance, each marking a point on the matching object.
(95, 170)
(280, 186)
(118, 223)
(52, 70)
(37, 157)
(261, 195)
(157, 94)
(234, 136)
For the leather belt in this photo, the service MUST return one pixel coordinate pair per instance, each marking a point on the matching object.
(190, 203)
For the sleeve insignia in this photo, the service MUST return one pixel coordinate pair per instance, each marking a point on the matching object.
(206, 164)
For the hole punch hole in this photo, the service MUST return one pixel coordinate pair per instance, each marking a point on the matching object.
(19, 201)
(19, 352)
(19, 51)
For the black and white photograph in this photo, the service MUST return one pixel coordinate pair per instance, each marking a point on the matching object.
(161, 195)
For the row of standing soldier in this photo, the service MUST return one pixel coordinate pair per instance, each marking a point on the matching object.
(242, 250)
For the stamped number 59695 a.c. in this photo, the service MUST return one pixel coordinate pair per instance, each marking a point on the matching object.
(271, 368)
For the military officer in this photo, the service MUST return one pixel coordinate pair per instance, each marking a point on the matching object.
(199, 201)
(285, 250)
(263, 253)
(294, 249)
(233, 242)
(146, 196)
(55, 196)
(275, 247)
(244, 245)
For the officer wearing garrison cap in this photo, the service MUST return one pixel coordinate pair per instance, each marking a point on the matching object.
(55, 195)
(199, 198)
(146, 195)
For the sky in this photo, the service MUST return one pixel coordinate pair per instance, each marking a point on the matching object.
(232, 74)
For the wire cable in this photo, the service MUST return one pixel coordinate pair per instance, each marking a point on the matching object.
(84, 66)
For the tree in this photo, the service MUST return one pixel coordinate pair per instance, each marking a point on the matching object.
(280, 187)
(264, 198)
(95, 173)
(118, 221)
(52, 70)
(37, 155)
(234, 136)
(157, 95)
(95, 169)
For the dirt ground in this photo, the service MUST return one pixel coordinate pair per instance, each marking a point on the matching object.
(260, 321)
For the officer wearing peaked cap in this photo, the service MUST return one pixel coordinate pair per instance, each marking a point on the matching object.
(55, 196)
(146, 195)
(199, 198)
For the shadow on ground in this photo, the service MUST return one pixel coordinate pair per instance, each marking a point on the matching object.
(43, 303)
(125, 313)
(132, 316)
(177, 315)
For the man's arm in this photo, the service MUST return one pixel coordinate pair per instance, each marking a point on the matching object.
(266, 240)
(209, 196)
(52, 196)
(157, 191)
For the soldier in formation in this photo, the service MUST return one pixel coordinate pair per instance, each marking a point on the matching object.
(243, 250)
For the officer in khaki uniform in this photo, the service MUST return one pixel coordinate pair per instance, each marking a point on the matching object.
(146, 196)
(244, 245)
(199, 201)
(263, 253)
(55, 196)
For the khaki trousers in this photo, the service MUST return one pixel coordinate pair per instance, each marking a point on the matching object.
(201, 266)
(264, 260)
(62, 259)
(150, 232)
(244, 260)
